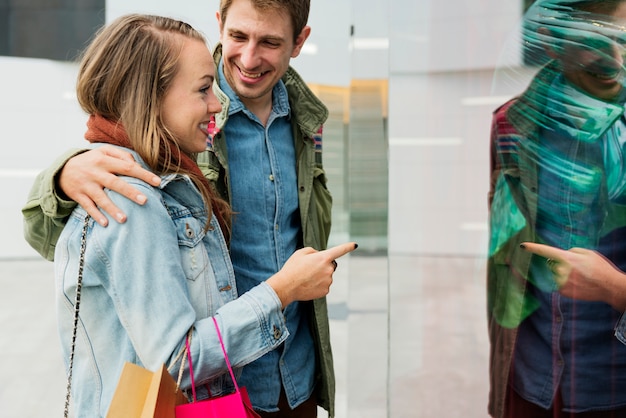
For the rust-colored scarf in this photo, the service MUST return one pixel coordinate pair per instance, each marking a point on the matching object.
(103, 130)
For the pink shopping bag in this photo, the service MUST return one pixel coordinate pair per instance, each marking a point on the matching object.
(234, 405)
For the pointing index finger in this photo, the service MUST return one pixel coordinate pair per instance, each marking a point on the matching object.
(543, 250)
(340, 250)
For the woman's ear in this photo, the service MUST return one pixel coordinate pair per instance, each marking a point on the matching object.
(549, 47)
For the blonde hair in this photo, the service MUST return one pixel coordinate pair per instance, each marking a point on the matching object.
(124, 75)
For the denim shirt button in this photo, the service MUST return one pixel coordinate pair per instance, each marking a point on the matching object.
(271, 177)
(277, 332)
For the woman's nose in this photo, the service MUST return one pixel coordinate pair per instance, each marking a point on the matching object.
(214, 105)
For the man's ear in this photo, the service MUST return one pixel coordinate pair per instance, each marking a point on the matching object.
(302, 37)
(548, 46)
(220, 24)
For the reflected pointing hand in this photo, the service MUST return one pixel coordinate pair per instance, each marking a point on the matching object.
(583, 274)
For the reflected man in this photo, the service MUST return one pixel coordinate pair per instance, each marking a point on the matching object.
(558, 177)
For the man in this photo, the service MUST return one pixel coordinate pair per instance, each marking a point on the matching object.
(265, 158)
(557, 178)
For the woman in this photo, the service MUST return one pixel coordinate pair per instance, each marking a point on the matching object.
(146, 82)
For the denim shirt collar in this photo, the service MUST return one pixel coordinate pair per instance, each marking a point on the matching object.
(280, 98)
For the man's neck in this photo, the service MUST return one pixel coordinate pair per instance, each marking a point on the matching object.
(261, 107)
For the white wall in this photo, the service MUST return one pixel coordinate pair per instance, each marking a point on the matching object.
(40, 118)
(443, 57)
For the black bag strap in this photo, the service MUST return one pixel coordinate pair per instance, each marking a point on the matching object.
(79, 285)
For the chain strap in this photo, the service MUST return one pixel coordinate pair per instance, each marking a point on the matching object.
(79, 285)
(183, 357)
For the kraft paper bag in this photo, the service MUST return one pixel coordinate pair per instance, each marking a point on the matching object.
(141, 393)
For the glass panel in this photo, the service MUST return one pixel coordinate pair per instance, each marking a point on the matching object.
(356, 159)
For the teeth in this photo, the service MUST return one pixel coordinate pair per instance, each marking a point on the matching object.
(250, 75)
(605, 76)
(204, 127)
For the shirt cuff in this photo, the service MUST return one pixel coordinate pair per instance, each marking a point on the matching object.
(266, 303)
(620, 329)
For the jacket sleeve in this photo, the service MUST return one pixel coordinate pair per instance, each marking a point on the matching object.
(45, 212)
(494, 166)
(499, 126)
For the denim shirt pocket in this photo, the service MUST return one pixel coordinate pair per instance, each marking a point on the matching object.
(197, 266)
(193, 254)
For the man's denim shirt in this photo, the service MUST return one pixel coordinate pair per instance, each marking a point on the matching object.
(265, 232)
(146, 283)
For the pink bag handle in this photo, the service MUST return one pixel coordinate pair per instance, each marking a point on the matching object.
(230, 369)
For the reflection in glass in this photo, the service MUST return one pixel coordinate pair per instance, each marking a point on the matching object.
(558, 177)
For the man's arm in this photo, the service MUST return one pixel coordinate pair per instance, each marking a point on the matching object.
(79, 177)
(45, 212)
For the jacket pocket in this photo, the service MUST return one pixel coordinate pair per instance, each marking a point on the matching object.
(193, 254)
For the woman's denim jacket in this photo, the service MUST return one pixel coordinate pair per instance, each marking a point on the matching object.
(146, 283)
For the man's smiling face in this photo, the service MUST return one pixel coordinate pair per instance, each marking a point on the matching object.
(256, 47)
